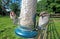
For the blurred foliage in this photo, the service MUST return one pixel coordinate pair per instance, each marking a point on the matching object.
(42, 5)
(0, 6)
(48, 5)
(9, 5)
(14, 7)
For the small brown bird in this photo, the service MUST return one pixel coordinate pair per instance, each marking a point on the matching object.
(43, 20)
(13, 17)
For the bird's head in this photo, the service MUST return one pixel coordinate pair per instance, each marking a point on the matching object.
(44, 14)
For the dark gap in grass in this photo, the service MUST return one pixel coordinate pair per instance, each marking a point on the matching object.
(48, 30)
(51, 30)
(1, 31)
(54, 36)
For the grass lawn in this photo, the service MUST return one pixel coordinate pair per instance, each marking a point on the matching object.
(7, 29)
(54, 29)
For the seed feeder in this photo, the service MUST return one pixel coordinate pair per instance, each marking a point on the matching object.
(27, 19)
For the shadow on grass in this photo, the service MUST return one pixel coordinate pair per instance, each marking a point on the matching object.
(52, 31)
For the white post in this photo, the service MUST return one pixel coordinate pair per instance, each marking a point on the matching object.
(28, 12)
(27, 15)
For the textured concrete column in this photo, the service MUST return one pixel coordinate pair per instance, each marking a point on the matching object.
(28, 12)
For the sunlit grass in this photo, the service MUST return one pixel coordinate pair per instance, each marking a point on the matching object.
(54, 29)
(7, 29)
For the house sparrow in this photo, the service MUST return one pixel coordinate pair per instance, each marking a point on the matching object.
(13, 17)
(43, 20)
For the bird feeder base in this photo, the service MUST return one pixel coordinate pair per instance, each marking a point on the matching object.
(26, 34)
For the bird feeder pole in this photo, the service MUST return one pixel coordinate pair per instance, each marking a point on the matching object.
(27, 19)
(28, 12)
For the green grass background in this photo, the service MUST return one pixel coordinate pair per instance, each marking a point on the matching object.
(53, 31)
(7, 29)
